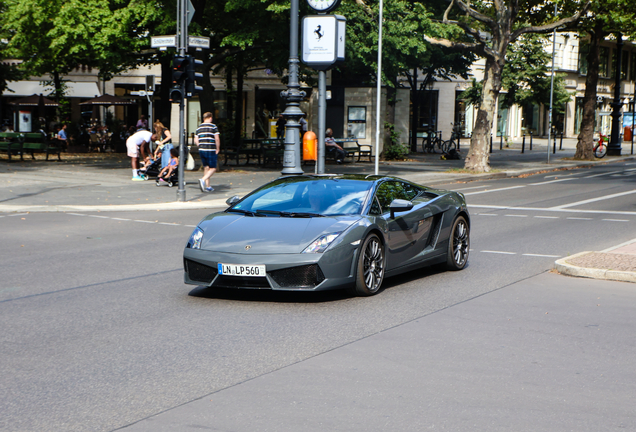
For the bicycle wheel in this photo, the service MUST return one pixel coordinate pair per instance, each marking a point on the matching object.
(449, 145)
(600, 150)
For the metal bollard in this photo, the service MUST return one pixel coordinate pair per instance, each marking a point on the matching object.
(491, 143)
(459, 138)
(554, 146)
(523, 144)
(501, 142)
(561, 142)
(530, 140)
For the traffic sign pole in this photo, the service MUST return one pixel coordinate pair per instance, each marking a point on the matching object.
(182, 40)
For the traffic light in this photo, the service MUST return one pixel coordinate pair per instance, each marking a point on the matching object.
(191, 82)
(179, 69)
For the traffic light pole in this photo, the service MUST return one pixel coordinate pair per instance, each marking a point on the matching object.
(182, 40)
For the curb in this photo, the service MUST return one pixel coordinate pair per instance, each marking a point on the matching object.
(177, 205)
(563, 267)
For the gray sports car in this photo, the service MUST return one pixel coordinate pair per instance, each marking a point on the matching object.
(311, 233)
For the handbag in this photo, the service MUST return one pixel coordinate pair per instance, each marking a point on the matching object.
(190, 162)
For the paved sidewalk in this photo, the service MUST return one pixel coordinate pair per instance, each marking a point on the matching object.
(102, 182)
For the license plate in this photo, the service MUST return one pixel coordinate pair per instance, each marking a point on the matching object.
(241, 270)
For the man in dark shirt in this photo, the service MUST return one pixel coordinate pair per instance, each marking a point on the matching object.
(209, 141)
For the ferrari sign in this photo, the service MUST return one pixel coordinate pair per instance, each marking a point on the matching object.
(323, 40)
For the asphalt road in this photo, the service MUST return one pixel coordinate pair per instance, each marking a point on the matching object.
(100, 332)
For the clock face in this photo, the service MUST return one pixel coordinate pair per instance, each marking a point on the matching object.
(322, 5)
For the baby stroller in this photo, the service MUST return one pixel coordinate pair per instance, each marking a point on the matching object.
(152, 170)
(170, 181)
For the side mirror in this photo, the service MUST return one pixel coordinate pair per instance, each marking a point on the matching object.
(400, 205)
(232, 200)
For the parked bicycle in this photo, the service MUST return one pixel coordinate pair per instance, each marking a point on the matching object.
(435, 142)
(600, 149)
(451, 144)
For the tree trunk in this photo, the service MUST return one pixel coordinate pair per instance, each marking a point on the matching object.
(585, 144)
(478, 156)
(415, 108)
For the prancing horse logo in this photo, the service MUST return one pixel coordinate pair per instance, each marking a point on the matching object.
(318, 32)
(248, 247)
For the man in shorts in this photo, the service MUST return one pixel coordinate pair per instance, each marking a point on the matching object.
(137, 142)
(209, 141)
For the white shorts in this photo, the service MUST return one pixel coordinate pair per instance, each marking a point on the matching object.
(132, 148)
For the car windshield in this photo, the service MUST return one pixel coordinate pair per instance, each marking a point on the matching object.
(306, 197)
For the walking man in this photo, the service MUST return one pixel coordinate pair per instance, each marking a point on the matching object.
(137, 142)
(209, 141)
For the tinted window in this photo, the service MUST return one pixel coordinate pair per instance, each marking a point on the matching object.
(390, 190)
(323, 196)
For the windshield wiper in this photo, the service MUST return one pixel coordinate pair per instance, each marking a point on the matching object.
(245, 212)
(288, 214)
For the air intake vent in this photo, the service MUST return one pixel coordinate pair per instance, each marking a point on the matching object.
(200, 272)
(307, 276)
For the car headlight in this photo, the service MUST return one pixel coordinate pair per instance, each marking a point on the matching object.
(321, 243)
(195, 239)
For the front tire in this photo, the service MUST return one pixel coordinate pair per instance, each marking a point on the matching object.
(458, 245)
(370, 267)
(600, 150)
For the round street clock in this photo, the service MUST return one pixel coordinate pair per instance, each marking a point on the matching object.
(323, 6)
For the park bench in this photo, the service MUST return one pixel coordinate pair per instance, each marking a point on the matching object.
(11, 142)
(353, 147)
(37, 142)
(273, 151)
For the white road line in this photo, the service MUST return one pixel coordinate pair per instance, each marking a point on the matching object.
(616, 220)
(100, 217)
(76, 214)
(143, 221)
(578, 203)
(169, 223)
(541, 255)
(602, 174)
(494, 190)
(499, 252)
(552, 181)
(122, 219)
(511, 215)
(469, 188)
(547, 217)
(191, 226)
(553, 209)
(487, 214)
(579, 218)
(18, 214)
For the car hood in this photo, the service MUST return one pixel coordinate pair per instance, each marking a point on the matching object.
(231, 233)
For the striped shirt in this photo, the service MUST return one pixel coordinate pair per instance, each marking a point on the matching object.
(206, 133)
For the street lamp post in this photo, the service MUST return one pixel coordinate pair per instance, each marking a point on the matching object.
(614, 147)
(293, 94)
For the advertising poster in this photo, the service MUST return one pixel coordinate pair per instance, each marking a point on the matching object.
(24, 121)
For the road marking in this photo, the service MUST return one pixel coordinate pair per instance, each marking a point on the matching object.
(602, 174)
(122, 219)
(18, 214)
(499, 252)
(76, 214)
(469, 188)
(100, 217)
(547, 217)
(553, 209)
(487, 214)
(616, 220)
(578, 203)
(169, 223)
(143, 221)
(579, 218)
(512, 215)
(543, 256)
(552, 181)
(494, 190)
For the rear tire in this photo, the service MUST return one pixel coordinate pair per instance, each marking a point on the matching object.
(458, 244)
(369, 268)
(600, 150)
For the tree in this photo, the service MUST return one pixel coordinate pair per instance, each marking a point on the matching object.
(492, 27)
(405, 51)
(606, 16)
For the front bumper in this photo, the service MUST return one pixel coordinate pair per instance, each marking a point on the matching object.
(286, 272)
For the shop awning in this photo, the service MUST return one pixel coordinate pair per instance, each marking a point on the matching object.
(28, 88)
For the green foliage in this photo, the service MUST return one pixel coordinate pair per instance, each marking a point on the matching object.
(394, 150)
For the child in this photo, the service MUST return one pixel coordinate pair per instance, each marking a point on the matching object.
(174, 163)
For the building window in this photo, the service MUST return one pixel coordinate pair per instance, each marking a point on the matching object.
(357, 122)
(584, 50)
(632, 68)
(603, 64)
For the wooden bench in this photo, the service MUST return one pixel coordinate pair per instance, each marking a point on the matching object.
(273, 150)
(353, 147)
(37, 142)
(11, 142)
(232, 151)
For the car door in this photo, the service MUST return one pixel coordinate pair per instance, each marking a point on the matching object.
(406, 231)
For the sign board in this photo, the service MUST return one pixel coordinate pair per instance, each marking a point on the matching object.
(163, 41)
(198, 42)
(190, 11)
(322, 45)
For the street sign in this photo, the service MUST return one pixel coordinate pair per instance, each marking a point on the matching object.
(167, 41)
(323, 40)
(190, 11)
(198, 42)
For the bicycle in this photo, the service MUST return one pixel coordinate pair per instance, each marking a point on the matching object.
(451, 144)
(600, 149)
(435, 141)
